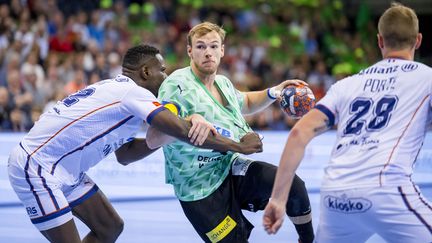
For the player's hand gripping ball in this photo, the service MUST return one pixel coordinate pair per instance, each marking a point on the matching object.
(297, 100)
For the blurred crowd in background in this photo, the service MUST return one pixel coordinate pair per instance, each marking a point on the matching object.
(52, 48)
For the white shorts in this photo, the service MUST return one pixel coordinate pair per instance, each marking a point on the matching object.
(397, 214)
(47, 200)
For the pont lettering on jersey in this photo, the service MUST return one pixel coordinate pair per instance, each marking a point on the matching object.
(375, 85)
(344, 204)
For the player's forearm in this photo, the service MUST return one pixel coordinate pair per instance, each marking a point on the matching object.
(311, 125)
(289, 162)
(256, 101)
(132, 151)
(156, 139)
(179, 129)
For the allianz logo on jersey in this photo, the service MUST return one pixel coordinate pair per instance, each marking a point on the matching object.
(409, 67)
(379, 70)
(347, 205)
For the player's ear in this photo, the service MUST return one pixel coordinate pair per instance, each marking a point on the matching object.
(145, 72)
(223, 50)
(189, 51)
(380, 41)
(418, 40)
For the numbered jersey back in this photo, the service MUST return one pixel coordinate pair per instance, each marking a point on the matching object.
(382, 114)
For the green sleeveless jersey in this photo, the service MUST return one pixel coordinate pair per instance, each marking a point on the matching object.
(195, 172)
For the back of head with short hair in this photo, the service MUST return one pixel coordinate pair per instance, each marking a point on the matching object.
(399, 27)
(136, 56)
(204, 28)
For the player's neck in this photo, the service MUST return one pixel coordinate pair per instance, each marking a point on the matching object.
(133, 76)
(206, 79)
(403, 54)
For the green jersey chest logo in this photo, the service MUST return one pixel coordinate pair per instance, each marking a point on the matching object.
(223, 131)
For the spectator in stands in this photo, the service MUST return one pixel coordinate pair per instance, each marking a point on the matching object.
(5, 109)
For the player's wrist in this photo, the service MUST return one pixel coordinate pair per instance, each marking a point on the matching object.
(273, 93)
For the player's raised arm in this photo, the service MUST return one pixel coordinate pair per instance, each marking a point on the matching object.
(312, 124)
(197, 133)
(170, 124)
(140, 148)
(255, 101)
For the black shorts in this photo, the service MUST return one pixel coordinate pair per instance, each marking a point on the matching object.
(219, 217)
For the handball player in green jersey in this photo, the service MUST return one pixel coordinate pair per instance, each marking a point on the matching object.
(214, 187)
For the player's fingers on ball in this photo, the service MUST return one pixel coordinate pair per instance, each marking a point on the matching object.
(302, 82)
(290, 82)
(298, 82)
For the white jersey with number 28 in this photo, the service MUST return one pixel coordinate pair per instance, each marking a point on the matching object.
(382, 115)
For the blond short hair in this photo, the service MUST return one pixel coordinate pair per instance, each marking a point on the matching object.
(399, 27)
(203, 29)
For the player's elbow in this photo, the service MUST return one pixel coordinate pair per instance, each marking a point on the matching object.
(299, 136)
(123, 162)
(122, 158)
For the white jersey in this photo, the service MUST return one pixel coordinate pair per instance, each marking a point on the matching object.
(382, 115)
(85, 127)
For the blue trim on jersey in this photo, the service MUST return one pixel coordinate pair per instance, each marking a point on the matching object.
(154, 113)
(327, 112)
(47, 188)
(411, 209)
(27, 177)
(51, 216)
(20, 144)
(92, 141)
(84, 197)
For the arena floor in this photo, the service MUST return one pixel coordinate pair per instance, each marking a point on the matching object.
(149, 209)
